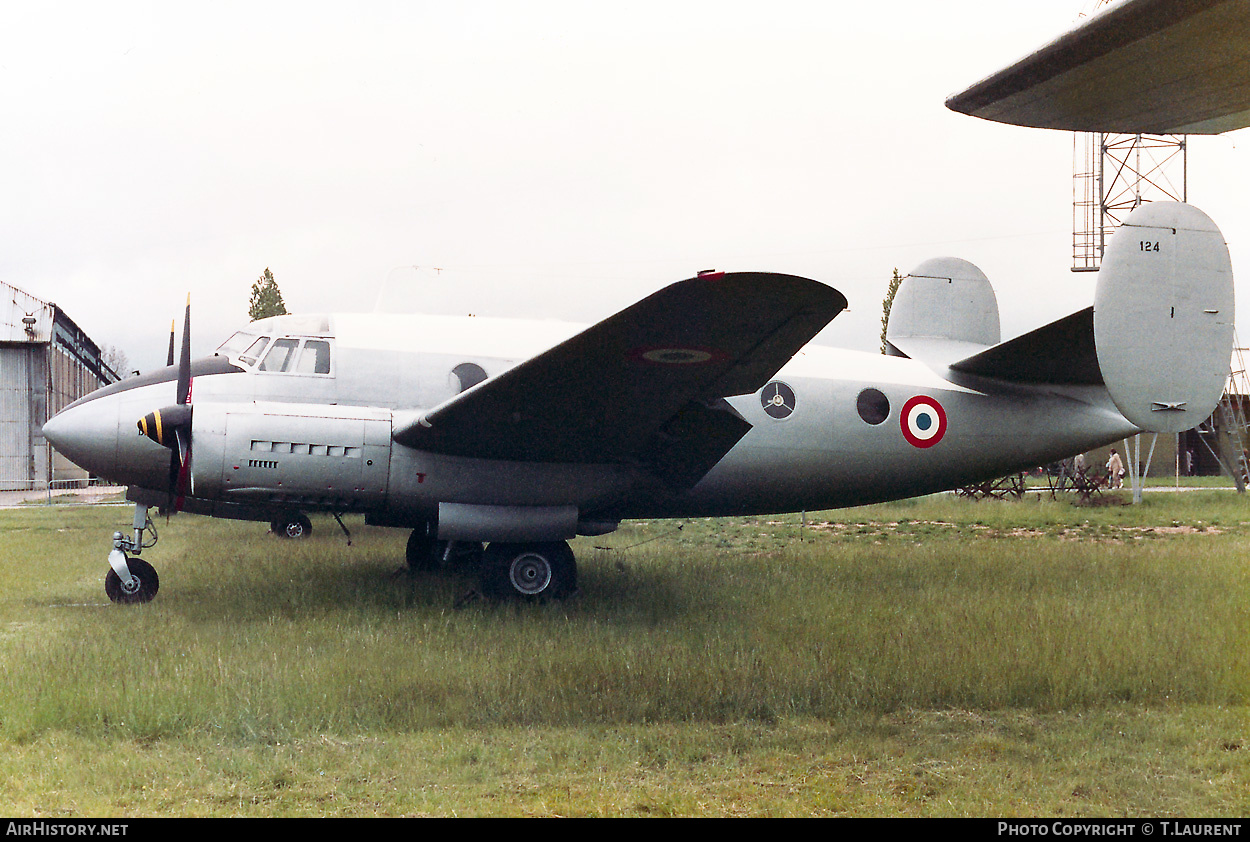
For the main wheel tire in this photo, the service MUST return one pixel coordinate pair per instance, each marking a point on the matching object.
(297, 526)
(530, 572)
(144, 590)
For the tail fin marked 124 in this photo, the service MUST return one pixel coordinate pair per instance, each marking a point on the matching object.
(1163, 317)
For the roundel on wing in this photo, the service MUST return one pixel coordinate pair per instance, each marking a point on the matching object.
(677, 355)
(778, 400)
(923, 421)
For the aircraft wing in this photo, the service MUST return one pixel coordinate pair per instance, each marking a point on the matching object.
(645, 385)
(1152, 66)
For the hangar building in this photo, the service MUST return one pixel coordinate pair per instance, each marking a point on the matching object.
(46, 363)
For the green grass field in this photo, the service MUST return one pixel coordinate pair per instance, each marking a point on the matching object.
(932, 657)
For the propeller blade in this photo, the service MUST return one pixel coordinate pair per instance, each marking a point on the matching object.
(170, 426)
(175, 468)
(184, 362)
(184, 466)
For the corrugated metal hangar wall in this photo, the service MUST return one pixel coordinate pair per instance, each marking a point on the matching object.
(46, 363)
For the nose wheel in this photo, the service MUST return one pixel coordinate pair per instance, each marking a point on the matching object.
(141, 586)
(131, 581)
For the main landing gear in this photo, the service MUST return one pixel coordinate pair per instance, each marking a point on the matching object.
(533, 572)
(132, 580)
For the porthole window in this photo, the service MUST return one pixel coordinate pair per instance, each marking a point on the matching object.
(467, 375)
(778, 400)
(873, 406)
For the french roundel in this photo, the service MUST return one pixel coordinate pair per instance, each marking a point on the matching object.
(923, 421)
(677, 356)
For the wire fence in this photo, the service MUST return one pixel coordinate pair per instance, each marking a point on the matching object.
(84, 491)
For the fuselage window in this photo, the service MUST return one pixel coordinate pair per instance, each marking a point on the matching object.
(315, 358)
(468, 375)
(281, 355)
(873, 406)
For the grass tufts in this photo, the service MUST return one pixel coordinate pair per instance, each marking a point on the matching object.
(729, 632)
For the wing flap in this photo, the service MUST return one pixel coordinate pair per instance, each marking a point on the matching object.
(1153, 66)
(606, 395)
(693, 441)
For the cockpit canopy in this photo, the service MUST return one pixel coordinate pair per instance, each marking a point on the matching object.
(283, 344)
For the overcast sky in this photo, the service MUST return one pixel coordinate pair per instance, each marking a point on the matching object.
(551, 159)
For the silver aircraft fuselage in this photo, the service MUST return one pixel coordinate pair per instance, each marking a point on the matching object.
(833, 428)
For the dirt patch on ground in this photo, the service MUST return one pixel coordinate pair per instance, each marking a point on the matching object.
(917, 529)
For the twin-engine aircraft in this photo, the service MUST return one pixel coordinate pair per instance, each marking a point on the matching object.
(703, 399)
(506, 439)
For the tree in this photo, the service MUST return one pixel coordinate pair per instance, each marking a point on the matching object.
(887, 304)
(115, 358)
(266, 298)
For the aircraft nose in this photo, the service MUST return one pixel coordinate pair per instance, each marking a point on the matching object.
(86, 434)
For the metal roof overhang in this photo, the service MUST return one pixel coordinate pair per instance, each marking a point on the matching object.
(1148, 66)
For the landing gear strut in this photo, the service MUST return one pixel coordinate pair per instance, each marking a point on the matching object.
(531, 572)
(132, 580)
(425, 552)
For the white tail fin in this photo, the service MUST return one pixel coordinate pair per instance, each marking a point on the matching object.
(944, 310)
(1163, 317)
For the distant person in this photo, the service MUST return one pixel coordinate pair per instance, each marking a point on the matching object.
(1067, 472)
(1115, 470)
(1078, 464)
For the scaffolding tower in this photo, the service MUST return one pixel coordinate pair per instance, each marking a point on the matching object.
(1232, 410)
(1112, 175)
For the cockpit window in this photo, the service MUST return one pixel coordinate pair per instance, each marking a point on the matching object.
(281, 355)
(249, 356)
(233, 346)
(315, 358)
(289, 354)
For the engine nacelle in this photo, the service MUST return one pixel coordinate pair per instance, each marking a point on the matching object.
(299, 455)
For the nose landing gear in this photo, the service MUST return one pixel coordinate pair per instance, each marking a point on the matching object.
(130, 580)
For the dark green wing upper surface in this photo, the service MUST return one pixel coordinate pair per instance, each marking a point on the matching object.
(645, 385)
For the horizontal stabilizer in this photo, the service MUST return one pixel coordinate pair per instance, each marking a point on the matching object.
(1152, 66)
(1061, 353)
(1163, 317)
